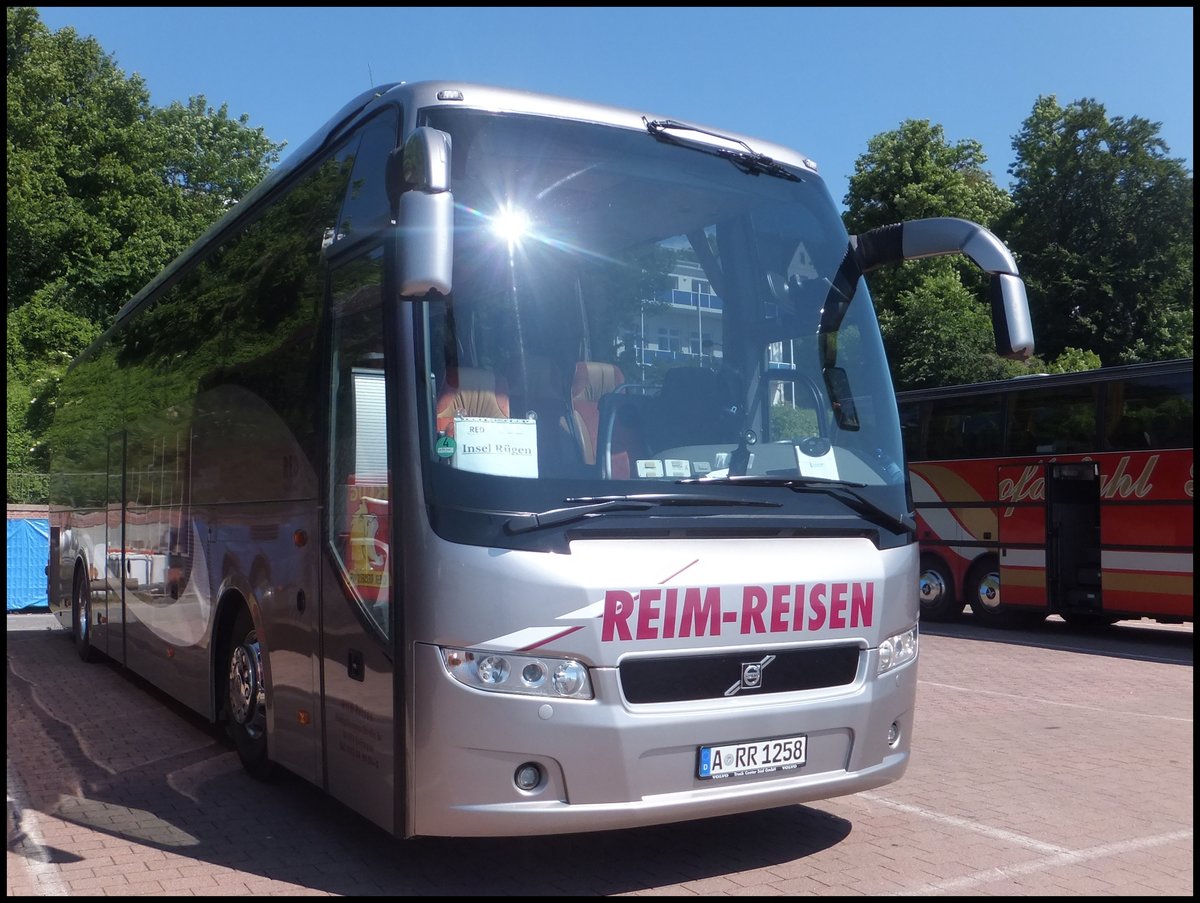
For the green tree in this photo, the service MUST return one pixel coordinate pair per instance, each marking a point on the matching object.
(103, 191)
(1073, 360)
(938, 334)
(1102, 227)
(933, 313)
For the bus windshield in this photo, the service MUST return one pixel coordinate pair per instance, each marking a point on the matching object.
(631, 315)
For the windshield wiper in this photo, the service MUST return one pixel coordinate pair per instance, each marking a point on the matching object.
(842, 490)
(583, 506)
(748, 160)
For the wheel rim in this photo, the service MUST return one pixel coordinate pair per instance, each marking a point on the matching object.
(932, 588)
(988, 592)
(247, 699)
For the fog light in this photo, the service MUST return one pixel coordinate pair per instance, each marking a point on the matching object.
(894, 733)
(528, 776)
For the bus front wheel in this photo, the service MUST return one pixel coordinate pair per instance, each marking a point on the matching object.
(983, 593)
(81, 617)
(246, 698)
(936, 590)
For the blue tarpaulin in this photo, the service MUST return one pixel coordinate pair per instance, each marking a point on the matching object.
(28, 553)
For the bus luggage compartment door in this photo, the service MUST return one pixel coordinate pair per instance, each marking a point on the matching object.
(1022, 534)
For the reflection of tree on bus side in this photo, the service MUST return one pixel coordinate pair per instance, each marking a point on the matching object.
(268, 294)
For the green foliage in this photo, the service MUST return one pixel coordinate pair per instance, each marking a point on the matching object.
(42, 341)
(938, 334)
(914, 173)
(20, 442)
(1100, 223)
(1074, 360)
(1102, 227)
(104, 190)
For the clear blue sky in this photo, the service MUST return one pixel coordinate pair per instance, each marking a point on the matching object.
(822, 80)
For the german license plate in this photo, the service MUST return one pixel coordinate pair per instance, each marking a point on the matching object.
(752, 757)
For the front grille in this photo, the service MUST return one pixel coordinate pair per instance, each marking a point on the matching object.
(728, 675)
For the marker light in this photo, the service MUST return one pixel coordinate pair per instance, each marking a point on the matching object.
(558, 678)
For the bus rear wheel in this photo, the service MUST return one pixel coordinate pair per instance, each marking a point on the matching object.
(983, 593)
(246, 698)
(936, 591)
(81, 617)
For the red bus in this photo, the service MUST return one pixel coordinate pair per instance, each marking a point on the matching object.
(1072, 492)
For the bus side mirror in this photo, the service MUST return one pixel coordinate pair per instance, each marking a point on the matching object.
(915, 239)
(1010, 316)
(425, 214)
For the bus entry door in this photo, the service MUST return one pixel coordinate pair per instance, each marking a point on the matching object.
(357, 614)
(1073, 536)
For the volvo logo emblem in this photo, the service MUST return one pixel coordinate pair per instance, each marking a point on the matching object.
(752, 673)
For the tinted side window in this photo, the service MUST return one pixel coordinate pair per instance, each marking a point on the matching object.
(965, 427)
(1149, 412)
(910, 431)
(1054, 420)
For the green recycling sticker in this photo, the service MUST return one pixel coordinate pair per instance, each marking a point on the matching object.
(445, 447)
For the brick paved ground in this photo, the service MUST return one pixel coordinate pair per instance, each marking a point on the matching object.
(1036, 771)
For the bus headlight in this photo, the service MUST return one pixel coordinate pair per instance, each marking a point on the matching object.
(558, 678)
(898, 649)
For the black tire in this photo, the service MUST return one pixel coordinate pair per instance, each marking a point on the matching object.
(935, 587)
(244, 698)
(982, 593)
(81, 617)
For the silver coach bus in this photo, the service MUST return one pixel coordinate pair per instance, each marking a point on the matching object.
(504, 464)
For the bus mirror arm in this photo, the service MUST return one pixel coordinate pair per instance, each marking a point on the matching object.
(420, 175)
(933, 237)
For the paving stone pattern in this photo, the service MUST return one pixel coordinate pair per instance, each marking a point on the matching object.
(1045, 763)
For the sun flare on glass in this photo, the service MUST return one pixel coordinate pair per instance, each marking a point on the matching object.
(510, 224)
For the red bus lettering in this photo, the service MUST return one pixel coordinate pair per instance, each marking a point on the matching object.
(816, 602)
(862, 605)
(618, 607)
(780, 607)
(696, 609)
(647, 621)
(669, 612)
(837, 606)
(754, 602)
